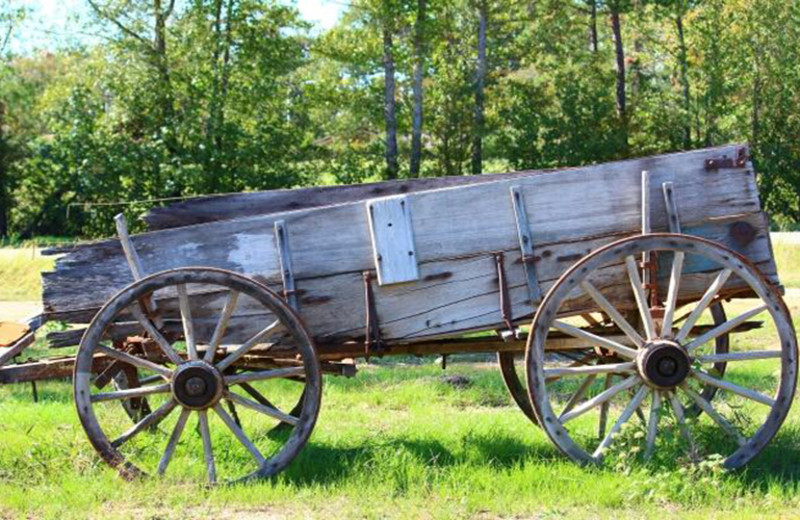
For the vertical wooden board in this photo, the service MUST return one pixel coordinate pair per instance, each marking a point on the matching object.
(392, 240)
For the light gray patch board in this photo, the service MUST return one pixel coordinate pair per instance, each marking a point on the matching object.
(392, 239)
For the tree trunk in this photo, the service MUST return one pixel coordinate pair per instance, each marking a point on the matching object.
(226, 74)
(3, 175)
(160, 48)
(622, 110)
(419, 72)
(687, 100)
(480, 80)
(593, 25)
(389, 109)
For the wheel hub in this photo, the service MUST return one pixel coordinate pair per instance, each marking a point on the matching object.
(197, 385)
(663, 364)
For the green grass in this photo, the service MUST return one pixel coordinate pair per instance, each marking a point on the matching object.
(20, 278)
(397, 441)
(787, 258)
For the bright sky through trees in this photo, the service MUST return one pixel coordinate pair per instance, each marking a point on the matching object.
(53, 24)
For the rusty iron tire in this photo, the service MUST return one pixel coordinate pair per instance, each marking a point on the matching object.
(284, 314)
(642, 379)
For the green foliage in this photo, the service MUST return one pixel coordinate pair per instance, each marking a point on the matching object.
(237, 95)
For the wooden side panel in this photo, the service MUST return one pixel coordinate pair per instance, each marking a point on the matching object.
(456, 231)
(458, 295)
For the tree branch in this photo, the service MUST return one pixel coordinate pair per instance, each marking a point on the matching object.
(122, 27)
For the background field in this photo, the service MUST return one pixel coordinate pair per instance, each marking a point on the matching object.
(398, 441)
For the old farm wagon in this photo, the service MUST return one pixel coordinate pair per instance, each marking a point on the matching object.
(622, 283)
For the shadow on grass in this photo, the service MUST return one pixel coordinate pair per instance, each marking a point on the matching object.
(779, 462)
(327, 464)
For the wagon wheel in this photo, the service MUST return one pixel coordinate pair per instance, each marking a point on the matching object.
(216, 372)
(513, 373)
(666, 367)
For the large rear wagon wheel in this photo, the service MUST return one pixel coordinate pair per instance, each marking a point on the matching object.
(666, 371)
(212, 375)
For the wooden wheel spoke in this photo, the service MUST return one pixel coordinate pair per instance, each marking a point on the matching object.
(186, 319)
(711, 412)
(243, 349)
(672, 293)
(652, 425)
(632, 406)
(739, 356)
(613, 313)
(173, 441)
(222, 326)
(641, 298)
(724, 328)
(600, 398)
(733, 387)
(130, 393)
(579, 393)
(239, 434)
(208, 452)
(680, 417)
(155, 335)
(262, 408)
(602, 423)
(265, 374)
(704, 302)
(147, 422)
(142, 363)
(594, 339)
(591, 369)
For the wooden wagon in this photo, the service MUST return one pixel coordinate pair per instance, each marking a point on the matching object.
(611, 279)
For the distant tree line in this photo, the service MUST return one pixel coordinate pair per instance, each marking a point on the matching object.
(212, 96)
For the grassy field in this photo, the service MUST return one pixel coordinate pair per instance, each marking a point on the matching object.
(397, 441)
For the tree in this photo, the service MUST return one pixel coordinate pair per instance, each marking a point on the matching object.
(480, 81)
(389, 103)
(419, 74)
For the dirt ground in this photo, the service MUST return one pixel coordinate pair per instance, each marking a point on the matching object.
(18, 311)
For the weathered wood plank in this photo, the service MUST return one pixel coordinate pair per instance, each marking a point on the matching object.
(212, 208)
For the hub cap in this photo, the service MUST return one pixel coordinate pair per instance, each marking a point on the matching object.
(663, 364)
(197, 385)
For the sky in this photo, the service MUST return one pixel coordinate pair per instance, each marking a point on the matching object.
(52, 24)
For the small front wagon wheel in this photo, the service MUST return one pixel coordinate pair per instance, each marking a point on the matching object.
(665, 369)
(223, 361)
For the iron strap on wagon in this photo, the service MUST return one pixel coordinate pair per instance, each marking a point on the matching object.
(615, 280)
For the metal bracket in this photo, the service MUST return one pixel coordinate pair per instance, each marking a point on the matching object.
(740, 161)
(525, 244)
(672, 208)
(505, 299)
(373, 342)
(287, 273)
